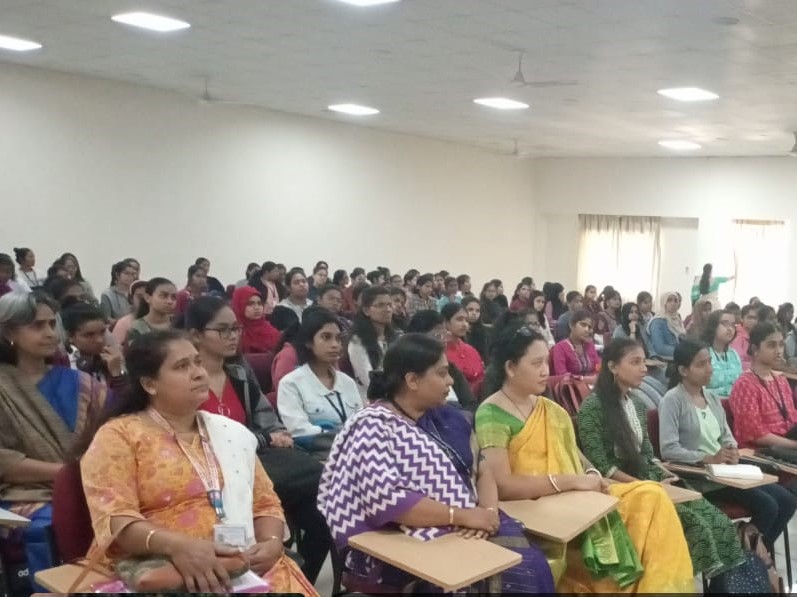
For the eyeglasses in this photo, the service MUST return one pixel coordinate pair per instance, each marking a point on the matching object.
(226, 333)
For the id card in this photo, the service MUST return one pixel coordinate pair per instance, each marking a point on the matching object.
(233, 535)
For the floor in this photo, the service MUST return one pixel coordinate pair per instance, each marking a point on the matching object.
(324, 583)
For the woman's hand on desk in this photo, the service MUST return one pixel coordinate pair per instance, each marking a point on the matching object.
(477, 522)
(583, 483)
(263, 556)
(196, 560)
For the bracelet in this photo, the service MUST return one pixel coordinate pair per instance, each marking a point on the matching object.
(492, 510)
(149, 536)
(593, 470)
(451, 516)
(553, 484)
(272, 538)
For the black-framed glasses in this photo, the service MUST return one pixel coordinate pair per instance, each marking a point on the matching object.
(226, 333)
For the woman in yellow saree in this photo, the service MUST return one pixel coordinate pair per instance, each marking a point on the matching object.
(529, 444)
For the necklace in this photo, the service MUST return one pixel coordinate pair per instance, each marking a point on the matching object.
(523, 416)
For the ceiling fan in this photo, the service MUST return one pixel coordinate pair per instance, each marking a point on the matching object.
(520, 79)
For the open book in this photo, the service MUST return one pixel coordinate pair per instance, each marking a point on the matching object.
(736, 471)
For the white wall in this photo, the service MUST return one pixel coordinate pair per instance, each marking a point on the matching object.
(108, 170)
(711, 190)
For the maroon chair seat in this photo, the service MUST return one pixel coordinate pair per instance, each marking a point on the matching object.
(653, 431)
(71, 519)
(261, 366)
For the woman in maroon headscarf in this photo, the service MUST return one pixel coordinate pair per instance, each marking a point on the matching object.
(257, 335)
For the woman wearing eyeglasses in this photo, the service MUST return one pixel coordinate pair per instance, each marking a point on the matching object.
(316, 399)
(718, 333)
(235, 393)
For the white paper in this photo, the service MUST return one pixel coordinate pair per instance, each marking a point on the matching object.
(736, 471)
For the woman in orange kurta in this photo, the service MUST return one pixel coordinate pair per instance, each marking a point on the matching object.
(141, 485)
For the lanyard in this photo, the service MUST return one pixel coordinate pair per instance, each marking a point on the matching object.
(784, 412)
(208, 474)
(340, 411)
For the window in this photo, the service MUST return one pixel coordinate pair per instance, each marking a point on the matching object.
(623, 251)
(758, 245)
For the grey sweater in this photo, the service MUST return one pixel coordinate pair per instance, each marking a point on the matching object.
(679, 427)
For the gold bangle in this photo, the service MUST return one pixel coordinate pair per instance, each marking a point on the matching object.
(593, 470)
(272, 538)
(451, 516)
(149, 536)
(553, 484)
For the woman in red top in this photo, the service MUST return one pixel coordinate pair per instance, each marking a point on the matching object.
(257, 334)
(576, 354)
(521, 301)
(196, 286)
(458, 352)
(761, 400)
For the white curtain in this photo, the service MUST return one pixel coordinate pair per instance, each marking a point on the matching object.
(759, 247)
(623, 251)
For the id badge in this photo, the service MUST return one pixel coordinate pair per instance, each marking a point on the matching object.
(233, 535)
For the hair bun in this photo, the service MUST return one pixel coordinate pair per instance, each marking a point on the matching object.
(377, 388)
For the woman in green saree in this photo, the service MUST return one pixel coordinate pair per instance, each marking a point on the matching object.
(529, 444)
(612, 427)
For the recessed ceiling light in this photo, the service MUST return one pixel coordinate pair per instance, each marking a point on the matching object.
(679, 145)
(17, 45)
(500, 103)
(688, 94)
(353, 109)
(147, 20)
(367, 3)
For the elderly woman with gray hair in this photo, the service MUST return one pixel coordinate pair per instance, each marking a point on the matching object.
(43, 409)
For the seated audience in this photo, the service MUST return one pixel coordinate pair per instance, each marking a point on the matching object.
(251, 270)
(785, 317)
(478, 335)
(450, 295)
(736, 310)
(440, 283)
(398, 296)
(87, 346)
(257, 335)
(371, 333)
(537, 299)
(423, 299)
(115, 300)
(331, 298)
(666, 328)
(695, 322)
(607, 320)
(376, 277)
(612, 427)
(297, 300)
(341, 278)
(267, 282)
(154, 510)
(433, 325)
(761, 399)
(693, 430)
(72, 268)
(521, 300)
(212, 285)
(530, 447)
(235, 393)
(28, 277)
(644, 303)
(320, 279)
(123, 325)
(575, 302)
(726, 365)
(285, 360)
(43, 408)
(458, 352)
(576, 354)
(500, 297)
(349, 303)
(766, 314)
(741, 343)
(411, 282)
(591, 301)
(555, 306)
(316, 399)
(429, 494)
(464, 283)
(196, 286)
(396, 281)
(156, 310)
(629, 325)
(8, 275)
(490, 308)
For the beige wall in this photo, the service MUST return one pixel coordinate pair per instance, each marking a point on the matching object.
(109, 170)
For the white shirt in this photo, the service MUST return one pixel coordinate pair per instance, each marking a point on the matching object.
(27, 281)
(361, 364)
(304, 402)
(298, 309)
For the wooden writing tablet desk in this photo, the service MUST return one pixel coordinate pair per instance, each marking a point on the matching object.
(704, 472)
(750, 455)
(61, 578)
(679, 495)
(9, 519)
(561, 517)
(449, 562)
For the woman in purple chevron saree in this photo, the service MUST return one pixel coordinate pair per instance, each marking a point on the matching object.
(406, 462)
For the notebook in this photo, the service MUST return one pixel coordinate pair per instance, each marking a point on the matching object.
(736, 471)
